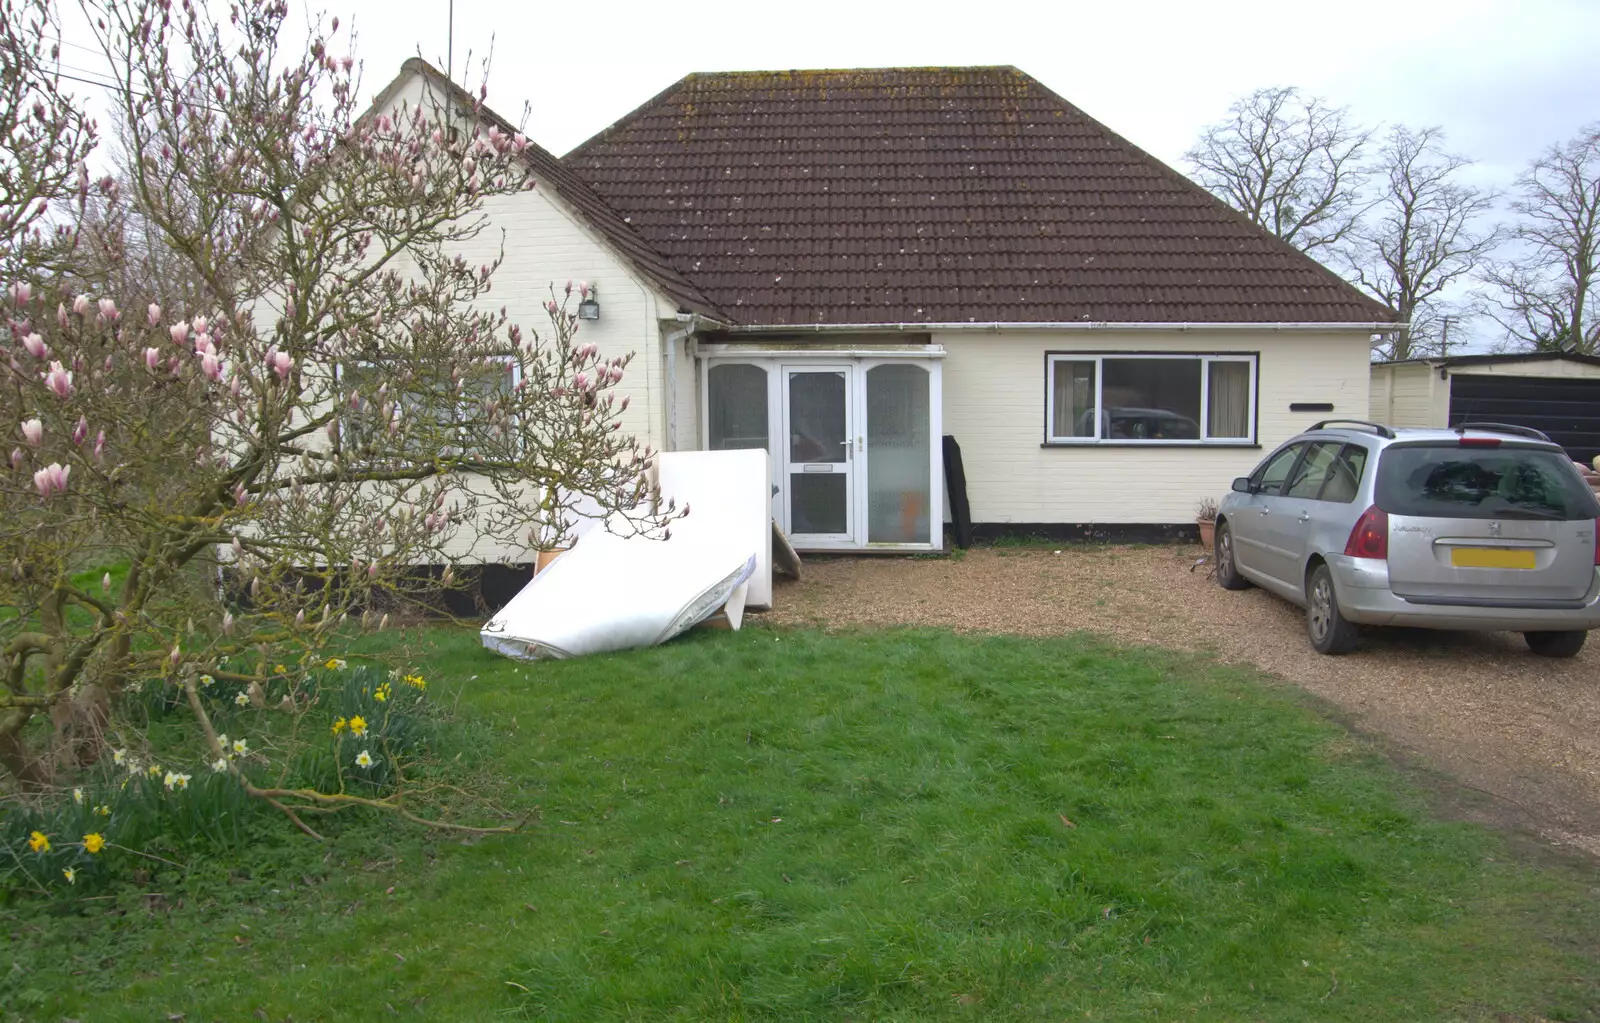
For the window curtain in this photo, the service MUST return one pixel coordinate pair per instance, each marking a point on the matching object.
(1228, 403)
(1073, 400)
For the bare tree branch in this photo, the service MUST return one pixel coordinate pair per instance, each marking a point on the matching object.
(1545, 295)
(1289, 162)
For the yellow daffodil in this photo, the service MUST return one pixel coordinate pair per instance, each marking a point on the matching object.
(416, 682)
(93, 842)
(280, 669)
(207, 681)
(39, 842)
(154, 771)
(77, 796)
(70, 874)
(102, 810)
(382, 695)
(335, 664)
(242, 700)
(176, 782)
(339, 725)
(119, 756)
(363, 759)
(358, 726)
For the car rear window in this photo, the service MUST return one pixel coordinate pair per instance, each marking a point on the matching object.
(1507, 482)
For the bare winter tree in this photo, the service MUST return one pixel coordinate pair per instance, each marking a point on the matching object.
(1289, 162)
(1423, 234)
(1546, 295)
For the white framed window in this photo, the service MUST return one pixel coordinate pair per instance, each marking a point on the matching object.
(1150, 398)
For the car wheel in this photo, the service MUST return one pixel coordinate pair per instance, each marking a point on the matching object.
(1227, 573)
(1330, 632)
(1556, 644)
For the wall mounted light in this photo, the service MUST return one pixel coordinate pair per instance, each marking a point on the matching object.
(589, 308)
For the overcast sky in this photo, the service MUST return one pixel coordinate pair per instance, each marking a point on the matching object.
(1505, 78)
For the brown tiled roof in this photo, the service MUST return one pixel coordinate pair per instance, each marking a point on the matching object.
(933, 195)
(605, 221)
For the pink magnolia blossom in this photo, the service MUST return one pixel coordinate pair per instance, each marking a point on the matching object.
(180, 334)
(580, 382)
(202, 325)
(59, 381)
(240, 496)
(152, 358)
(583, 289)
(35, 346)
(154, 314)
(61, 314)
(227, 623)
(281, 364)
(108, 309)
(300, 618)
(105, 583)
(21, 293)
(52, 480)
(233, 386)
(80, 433)
(80, 305)
(176, 657)
(211, 366)
(99, 445)
(17, 458)
(33, 432)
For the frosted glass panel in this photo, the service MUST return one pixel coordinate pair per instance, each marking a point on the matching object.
(898, 455)
(816, 417)
(817, 503)
(737, 402)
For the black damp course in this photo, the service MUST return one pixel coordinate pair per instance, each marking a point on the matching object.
(477, 591)
(1088, 532)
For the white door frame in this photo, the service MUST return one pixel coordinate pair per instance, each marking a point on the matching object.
(858, 361)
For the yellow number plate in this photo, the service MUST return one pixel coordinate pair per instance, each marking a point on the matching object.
(1491, 557)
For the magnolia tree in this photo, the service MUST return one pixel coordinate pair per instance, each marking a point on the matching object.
(343, 405)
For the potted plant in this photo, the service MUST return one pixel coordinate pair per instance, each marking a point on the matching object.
(1205, 516)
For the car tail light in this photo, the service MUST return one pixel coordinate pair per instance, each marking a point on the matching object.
(1480, 442)
(1370, 537)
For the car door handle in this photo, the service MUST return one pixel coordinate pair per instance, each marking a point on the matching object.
(1264, 511)
(1305, 516)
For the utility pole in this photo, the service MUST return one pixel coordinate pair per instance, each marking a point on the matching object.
(450, 45)
(1444, 339)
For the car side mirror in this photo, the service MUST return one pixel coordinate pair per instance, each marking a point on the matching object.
(1241, 485)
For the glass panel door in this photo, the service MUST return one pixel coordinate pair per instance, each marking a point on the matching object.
(818, 455)
(899, 504)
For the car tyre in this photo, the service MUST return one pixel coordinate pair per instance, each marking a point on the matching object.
(1565, 643)
(1330, 632)
(1227, 572)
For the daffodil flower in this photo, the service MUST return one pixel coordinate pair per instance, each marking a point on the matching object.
(155, 771)
(119, 756)
(358, 726)
(176, 782)
(39, 842)
(77, 796)
(336, 664)
(220, 764)
(70, 874)
(363, 759)
(240, 747)
(93, 842)
(207, 680)
(102, 810)
(242, 700)
(339, 725)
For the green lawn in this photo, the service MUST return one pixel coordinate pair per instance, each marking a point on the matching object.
(902, 826)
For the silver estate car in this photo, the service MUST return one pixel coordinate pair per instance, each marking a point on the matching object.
(1482, 526)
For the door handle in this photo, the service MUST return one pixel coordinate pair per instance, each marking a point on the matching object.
(1265, 511)
(1305, 516)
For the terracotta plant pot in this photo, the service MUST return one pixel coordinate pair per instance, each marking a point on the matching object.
(1208, 532)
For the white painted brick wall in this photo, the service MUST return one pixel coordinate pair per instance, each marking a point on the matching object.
(994, 388)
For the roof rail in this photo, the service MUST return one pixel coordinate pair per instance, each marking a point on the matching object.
(1377, 428)
(1523, 431)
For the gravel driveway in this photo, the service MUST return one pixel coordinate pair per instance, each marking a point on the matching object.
(1522, 729)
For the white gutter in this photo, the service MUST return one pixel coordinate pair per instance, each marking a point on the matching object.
(996, 326)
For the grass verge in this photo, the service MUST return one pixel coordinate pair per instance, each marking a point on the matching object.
(897, 825)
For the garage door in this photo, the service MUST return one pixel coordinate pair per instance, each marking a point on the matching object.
(1568, 410)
